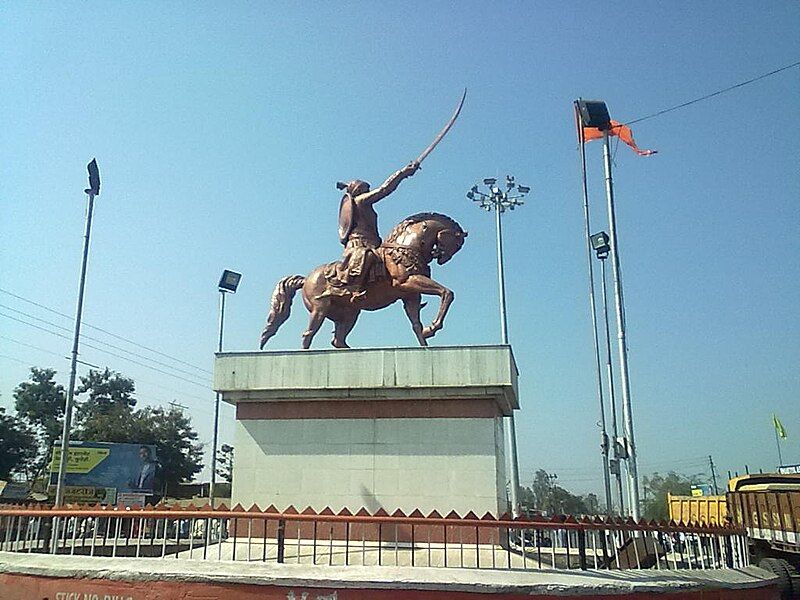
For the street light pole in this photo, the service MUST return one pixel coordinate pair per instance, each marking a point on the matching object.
(612, 396)
(227, 285)
(499, 200)
(633, 472)
(512, 427)
(501, 281)
(212, 490)
(91, 192)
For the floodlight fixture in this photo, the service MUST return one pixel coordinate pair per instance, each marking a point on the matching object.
(594, 113)
(94, 178)
(229, 281)
(489, 181)
(600, 244)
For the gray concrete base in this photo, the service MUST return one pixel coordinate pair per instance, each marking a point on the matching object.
(486, 581)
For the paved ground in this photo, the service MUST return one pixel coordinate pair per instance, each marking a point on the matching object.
(544, 581)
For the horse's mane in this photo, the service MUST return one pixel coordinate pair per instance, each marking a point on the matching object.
(423, 216)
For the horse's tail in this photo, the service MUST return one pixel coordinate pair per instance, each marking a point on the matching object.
(280, 305)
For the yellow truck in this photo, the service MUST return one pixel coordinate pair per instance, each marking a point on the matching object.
(708, 510)
(767, 506)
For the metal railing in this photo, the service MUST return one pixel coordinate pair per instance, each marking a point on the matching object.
(363, 539)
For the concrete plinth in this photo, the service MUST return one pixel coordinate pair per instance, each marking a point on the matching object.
(400, 428)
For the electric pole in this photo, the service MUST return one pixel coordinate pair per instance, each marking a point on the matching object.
(713, 474)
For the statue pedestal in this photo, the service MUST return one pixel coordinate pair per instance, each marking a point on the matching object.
(390, 428)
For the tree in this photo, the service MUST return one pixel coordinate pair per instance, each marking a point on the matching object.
(39, 403)
(592, 503)
(18, 447)
(656, 487)
(108, 415)
(109, 392)
(225, 463)
(542, 489)
(553, 499)
(177, 448)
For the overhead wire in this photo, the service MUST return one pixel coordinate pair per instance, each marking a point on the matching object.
(713, 94)
(94, 339)
(21, 343)
(139, 380)
(88, 345)
(14, 358)
(573, 472)
(114, 335)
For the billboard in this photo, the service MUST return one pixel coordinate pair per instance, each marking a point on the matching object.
(104, 471)
(701, 489)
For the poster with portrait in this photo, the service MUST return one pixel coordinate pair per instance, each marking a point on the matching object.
(102, 471)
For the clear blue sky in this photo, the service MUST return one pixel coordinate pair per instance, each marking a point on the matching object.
(220, 130)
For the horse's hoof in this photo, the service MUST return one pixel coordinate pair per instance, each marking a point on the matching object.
(428, 332)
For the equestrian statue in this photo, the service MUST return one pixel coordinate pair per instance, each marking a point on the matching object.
(374, 273)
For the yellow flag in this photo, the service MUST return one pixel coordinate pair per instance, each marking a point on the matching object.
(778, 426)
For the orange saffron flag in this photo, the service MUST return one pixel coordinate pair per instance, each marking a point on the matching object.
(623, 132)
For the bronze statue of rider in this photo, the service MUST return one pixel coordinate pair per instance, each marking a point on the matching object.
(358, 232)
(358, 226)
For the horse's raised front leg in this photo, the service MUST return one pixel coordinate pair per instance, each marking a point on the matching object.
(412, 306)
(420, 284)
(315, 321)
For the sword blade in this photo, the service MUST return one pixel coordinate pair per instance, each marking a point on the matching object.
(444, 131)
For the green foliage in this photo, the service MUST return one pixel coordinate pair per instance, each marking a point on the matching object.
(544, 495)
(592, 503)
(225, 463)
(18, 446)
(656, 487)
(39, 403)
(108, 392)
(178, 451)
(108, 415)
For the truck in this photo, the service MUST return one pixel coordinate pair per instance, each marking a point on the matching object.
(767, 507)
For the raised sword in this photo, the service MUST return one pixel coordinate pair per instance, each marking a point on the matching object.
(444, 131)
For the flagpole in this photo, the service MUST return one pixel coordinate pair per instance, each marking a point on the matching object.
(627, 414)
(593, 309)
(777, 442)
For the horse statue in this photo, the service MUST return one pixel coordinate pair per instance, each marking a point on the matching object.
(405, 275)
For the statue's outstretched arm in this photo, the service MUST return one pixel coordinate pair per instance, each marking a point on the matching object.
(390, 185)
